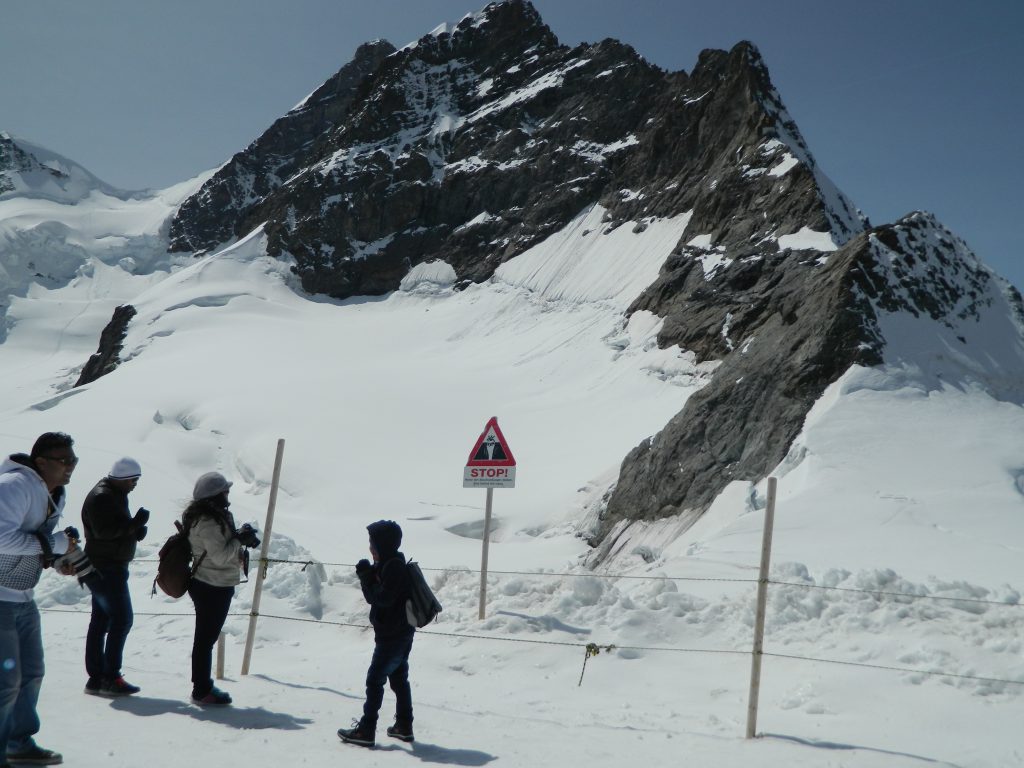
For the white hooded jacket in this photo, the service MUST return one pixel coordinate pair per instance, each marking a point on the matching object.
(26, 506)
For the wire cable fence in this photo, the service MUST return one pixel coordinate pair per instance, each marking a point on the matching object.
(888, 593)
(592, 649)
(627, 577)
(468, 570)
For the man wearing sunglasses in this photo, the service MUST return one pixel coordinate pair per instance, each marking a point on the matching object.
(31, 499)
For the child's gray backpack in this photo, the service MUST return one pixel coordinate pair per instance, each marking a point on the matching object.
(422, 606)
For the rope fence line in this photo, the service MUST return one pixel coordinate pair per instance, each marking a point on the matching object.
(894, 669)
(554, 574)
(592, 649)
(886, 593)
(459, 635)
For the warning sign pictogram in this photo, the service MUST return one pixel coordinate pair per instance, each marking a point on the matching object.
(491, 449)
(491, 463)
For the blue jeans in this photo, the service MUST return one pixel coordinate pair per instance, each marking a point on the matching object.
(21, 674)
(112, 619)
(390, 664)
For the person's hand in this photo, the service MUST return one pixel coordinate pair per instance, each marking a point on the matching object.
(137, 526)
(247, 535)
(363, 568)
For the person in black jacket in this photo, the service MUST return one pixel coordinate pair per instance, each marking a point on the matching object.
(385, 586)
(111, 535)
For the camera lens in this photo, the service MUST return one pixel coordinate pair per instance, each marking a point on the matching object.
(87, 574)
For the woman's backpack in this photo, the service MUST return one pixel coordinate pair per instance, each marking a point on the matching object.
(175, 568)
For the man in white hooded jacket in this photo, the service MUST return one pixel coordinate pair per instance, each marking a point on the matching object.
(31, 499)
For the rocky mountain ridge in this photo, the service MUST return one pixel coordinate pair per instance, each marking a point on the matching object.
(481, 140)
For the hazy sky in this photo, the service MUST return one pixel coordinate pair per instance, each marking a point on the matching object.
(906, 104)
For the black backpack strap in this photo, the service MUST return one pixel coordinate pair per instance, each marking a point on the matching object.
(44, 542)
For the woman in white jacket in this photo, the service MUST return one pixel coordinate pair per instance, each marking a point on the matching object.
(217, 556)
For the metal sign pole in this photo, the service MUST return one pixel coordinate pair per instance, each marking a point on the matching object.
(261, 572)
(483, 562)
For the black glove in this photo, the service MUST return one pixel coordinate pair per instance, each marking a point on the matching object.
(138, 523)
(72, 533)
(363, 568)
(247, 535)
(141, 533)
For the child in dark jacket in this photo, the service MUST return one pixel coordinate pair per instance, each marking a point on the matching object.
(385, 585)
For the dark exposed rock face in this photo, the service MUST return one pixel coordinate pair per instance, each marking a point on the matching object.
(215, 214)
(107, 357)
(785, 328)
(473, 145)
(791, 326)
(12, 160)
(477, 143)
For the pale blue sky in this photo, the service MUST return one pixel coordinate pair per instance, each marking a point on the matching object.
(906, 104)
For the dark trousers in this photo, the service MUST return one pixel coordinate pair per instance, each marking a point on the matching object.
(212, 605)
(390, 664)
(111, 621)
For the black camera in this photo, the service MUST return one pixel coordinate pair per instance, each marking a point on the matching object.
(247, 535)
(87, 574)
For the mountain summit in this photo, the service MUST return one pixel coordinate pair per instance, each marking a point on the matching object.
(480, 141)
(29, 171)
(488, 139)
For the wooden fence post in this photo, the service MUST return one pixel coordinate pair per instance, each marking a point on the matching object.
(261, 571)
(762, 602)
(220, 657)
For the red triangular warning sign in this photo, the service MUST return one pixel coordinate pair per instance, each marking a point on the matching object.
(490, 449)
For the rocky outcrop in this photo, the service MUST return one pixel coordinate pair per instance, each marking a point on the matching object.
(218, 212)
(107, 356)
(785, 327)
(479, 141)
(476, 143)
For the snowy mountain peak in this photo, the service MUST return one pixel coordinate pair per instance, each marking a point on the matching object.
(489, 155)
(31, 171)
(938, 308)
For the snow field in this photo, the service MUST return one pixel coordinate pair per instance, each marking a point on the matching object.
(901, 481)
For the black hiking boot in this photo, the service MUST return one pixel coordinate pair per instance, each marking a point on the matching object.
(401, 731)
(118, 686)
(35, 755)
(358, 734)
(215, 698)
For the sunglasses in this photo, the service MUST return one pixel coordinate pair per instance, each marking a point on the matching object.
(67, 461)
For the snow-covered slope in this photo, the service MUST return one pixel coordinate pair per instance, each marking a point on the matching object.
(57, 219)
(898, 483)
(894, 613)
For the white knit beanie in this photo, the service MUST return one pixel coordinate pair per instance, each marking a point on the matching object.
(125, 469)
(209, 485)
